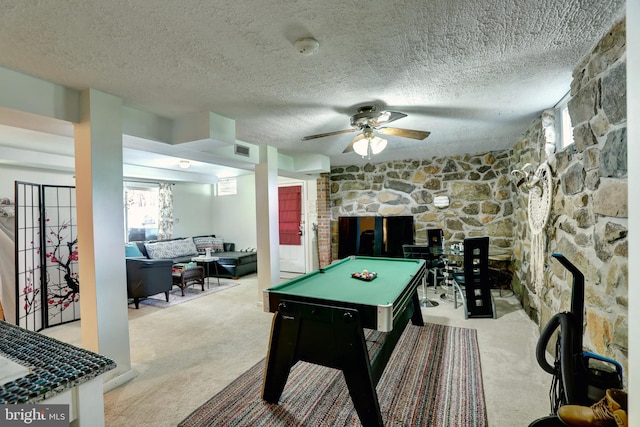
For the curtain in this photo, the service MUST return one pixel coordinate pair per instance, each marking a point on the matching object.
(289, 209)
(165, 206)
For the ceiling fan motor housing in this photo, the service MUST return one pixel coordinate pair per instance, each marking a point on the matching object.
(365, 117)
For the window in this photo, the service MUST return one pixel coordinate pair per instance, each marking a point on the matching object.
(565, 128)
(141, 211)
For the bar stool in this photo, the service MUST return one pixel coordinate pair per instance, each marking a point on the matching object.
(421, 252)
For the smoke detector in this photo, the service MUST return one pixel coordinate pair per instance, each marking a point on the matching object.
(307, 46)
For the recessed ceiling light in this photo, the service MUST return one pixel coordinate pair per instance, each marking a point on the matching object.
(184, 164)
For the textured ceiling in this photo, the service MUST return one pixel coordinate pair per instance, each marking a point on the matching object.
(473, 73)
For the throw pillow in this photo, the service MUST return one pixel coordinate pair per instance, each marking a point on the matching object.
(203, 243)
(171, 248)
(218, 244)
(132, 250)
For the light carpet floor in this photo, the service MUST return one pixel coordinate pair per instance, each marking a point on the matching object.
(190, 293)
(187, 353)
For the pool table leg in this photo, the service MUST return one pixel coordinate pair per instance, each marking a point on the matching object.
(357, 373)
(416, 317)
(328, 336)
(280, 358)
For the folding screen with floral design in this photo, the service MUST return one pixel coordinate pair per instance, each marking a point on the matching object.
(48, 291)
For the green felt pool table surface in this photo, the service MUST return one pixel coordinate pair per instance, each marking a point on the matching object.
(336, 283)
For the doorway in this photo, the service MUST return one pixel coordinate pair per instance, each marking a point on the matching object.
(291, 227)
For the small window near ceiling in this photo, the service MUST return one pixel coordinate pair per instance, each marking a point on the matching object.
(565, 130)
(227, 186)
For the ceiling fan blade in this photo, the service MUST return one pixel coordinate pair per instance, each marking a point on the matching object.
(353, 141)
(322, 135)
(387, 117)
(405, 133)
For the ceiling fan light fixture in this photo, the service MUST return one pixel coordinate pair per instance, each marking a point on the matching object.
(369, 145)
(377, 145)
(361, 147)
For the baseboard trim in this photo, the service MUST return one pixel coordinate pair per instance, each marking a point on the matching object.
(116, 382)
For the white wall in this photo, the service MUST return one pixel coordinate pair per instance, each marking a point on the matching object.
(234, 217)
(192, 210)
(10, 174)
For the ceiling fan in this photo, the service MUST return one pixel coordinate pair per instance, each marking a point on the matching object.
(367, 120)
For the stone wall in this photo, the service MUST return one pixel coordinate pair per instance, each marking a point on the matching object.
(588, 220)
(478, 186)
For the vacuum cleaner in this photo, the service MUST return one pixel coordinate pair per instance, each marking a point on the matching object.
(579, 377)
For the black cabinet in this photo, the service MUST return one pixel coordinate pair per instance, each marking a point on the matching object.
(374, 235)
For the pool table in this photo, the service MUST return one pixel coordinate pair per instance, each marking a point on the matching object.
(321, 318)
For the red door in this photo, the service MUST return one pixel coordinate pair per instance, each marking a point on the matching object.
(291, 241)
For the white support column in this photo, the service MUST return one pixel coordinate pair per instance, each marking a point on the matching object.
(268, 240)
(103, 289)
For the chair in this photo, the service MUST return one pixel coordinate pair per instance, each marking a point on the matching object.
(476, 299)
(434, 241)
(421, 252)
(434, 237)
(366, 243)
(146, 277)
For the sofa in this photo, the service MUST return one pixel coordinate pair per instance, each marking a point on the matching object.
(231, 263)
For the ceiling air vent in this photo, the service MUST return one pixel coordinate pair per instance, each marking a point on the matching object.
(241, 150)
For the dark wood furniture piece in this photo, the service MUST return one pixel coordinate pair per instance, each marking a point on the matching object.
(374, 235)
(189, 276)
(320, 318)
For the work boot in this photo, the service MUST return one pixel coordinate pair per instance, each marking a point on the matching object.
(610, 411)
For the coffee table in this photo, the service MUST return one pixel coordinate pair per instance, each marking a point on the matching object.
(188, 276)
(206, 261)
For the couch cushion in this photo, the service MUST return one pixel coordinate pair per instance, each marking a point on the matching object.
(218, 245)
(171, 248)
(203, 243)
(132, 250)
(237, 258)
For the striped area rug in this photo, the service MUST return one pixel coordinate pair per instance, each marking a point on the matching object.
(432, 379)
